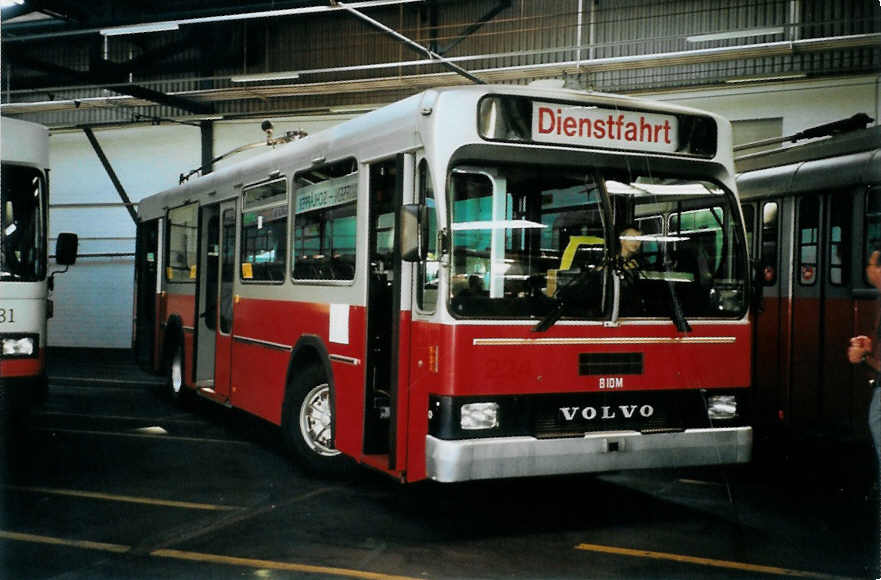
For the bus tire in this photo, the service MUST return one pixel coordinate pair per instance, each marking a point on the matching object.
(307, 424)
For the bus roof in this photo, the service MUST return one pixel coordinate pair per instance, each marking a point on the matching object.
(831, 163)
(835, 146)
(24, 142)
(368, 132)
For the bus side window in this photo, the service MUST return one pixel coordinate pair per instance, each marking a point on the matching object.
(749, 219)
(182, 238)
(808, 239)
(839, 240)
(427, 277)
(872, 226)
(264, 232)
(228, 262)
(325, 222)
(768, 256)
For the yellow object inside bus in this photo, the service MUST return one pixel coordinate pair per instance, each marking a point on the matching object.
(575, 242)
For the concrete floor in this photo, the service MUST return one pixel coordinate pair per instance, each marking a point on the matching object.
(110, 480)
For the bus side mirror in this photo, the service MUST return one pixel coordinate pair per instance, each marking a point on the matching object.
(66, 249)
(414, 232)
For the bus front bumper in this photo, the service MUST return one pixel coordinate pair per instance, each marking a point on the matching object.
(463, 460)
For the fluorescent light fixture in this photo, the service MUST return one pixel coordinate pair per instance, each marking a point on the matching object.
(735, 34)
(140, 28)
(496, 225)
(762, 79)
(8, 3)
(272, 76)
(175, 24)
(353, 108)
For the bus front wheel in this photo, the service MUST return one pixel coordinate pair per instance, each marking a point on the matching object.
(307, 424)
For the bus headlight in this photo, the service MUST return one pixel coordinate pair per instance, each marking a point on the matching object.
(721, 407)
(476, 416)
(18, 346)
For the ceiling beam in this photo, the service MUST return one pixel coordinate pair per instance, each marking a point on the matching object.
(17, 10)
(499, 7)
(126, 200)
(105, 77)
(213, 17)
(409, 42)
(500, 74)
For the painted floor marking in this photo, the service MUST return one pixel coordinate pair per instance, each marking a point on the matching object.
(103, 381)
(273, 565)
(144, 436)
(706, 562)
(189, 532)
(123, 498)
(35, 539)
(171, 419)
(206, 558)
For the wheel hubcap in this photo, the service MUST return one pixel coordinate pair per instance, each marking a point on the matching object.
(316, 421)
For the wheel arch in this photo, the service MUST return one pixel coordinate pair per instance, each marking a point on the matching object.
(310, 351)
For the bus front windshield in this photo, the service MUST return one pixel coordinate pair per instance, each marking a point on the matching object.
(540, 242)
(22, 224)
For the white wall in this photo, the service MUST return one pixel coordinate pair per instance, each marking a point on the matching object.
(802, 104)
(94, 300)
(231, 134)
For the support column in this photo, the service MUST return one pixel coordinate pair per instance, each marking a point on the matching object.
(207, 129)
(112, 174)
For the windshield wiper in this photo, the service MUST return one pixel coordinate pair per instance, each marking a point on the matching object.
(565, 297)
(678, 316)
(552, 317)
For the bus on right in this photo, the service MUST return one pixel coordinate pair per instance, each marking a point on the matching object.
(812, 212)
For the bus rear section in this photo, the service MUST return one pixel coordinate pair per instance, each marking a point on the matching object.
(472, 283)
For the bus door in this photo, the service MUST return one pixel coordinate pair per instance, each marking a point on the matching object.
(767, 313)
(208, 290)
(223, 350)
(383, 311)
(822, 317)
(147, 293)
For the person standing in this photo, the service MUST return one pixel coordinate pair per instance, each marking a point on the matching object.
(864, 350)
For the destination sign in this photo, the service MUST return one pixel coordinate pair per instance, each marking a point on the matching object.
(328, 193)
(565, 124)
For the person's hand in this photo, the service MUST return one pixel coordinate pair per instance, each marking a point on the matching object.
(858, 348)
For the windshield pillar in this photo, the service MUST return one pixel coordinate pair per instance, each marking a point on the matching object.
(497, 243)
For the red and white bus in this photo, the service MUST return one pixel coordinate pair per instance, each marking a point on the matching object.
(24, 283)
(813, 213)
(434, 288)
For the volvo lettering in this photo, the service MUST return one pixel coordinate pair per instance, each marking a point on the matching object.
(606, 412)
